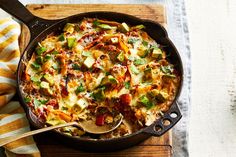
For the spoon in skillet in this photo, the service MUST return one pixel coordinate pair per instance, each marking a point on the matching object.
(88, 126)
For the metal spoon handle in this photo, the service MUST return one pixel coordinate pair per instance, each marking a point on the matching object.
(7, 140)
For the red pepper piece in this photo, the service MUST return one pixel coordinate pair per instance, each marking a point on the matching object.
(100, 120)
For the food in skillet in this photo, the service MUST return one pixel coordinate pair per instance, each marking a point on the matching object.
(99, 68)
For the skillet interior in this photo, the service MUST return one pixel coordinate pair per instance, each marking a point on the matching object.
(156, 31)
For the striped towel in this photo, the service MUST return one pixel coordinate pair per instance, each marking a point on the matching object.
(12, 117)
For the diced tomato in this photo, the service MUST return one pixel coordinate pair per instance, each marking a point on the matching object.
(100, 120)
(125, 99)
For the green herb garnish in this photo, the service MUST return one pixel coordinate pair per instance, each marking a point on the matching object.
(47, 57)
(96, 23)
(35, 65)
(39, 60)
(145, 43)
(27, 100)
(127, 85)
(43, 101)
(55, 52)
(75, 66)
(41, 50)
(167, 69)
(61, 37)
(79, 89)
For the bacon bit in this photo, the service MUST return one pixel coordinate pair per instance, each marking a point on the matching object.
(64, 91)
(100, 120)
(53, 103)
(125, 99)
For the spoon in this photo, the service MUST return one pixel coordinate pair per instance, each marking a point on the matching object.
(88, 126)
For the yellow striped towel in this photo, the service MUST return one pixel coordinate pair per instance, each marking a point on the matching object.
(12, 116)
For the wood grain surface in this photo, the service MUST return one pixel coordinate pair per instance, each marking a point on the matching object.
(154, 146)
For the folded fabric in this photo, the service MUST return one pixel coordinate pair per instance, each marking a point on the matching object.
(12, 116)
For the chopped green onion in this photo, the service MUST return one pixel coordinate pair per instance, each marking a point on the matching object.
(47, 57)
(35, 65)
(55, 52)
(145, 43)
(112, 79)
(75, 66)
(79, 89)
(99, 94)
(27, 99)
(167, 69)
(96, 23)
(43, 101)
(108, 73)
(127, 85)
(41, 50)
(64, 108)
(39, 60)
(61, 37)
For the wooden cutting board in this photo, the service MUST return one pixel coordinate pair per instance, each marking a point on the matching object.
(154, 146)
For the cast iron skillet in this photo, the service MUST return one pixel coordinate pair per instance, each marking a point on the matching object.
(40, 28)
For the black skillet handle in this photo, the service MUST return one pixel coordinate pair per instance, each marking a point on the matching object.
(18, 10)
(167, 121)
